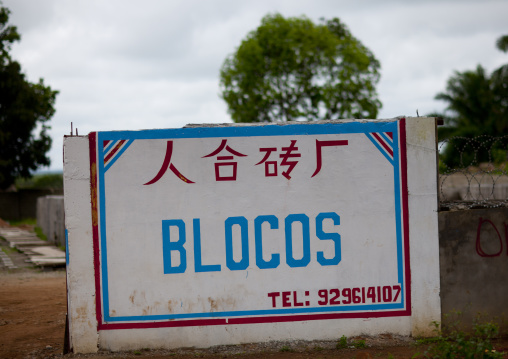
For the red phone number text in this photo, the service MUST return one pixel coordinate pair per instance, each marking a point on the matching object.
(336, 296)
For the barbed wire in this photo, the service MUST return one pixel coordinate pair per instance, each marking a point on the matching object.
(473, 172)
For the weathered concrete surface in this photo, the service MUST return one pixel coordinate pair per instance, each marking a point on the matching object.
(50, 218)
(474, 265)
(89, 329)
(78, 221)
(423, 229)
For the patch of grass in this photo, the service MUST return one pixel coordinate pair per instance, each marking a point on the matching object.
(458, 344)
(24, 221)
(38, 232)
(137, 352)
(41, 181)
(358, 344)
(318, 348)
(426, 341)
(341, 343)
(8, 250)
(285, 348)
(30, 222)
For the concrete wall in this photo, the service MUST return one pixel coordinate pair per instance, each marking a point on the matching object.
(51, 218)
(22, 204)
(141, 273)
(473, 251)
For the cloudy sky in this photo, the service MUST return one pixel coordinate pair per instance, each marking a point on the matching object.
(124, 64)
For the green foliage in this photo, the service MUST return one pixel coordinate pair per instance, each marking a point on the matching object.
(285, 348)
(292, 69)
(25, 221)
(360, 343)
(502, 43)
(477, 105)
(341, 343)
(458, 344)
(38, 232)
(25, 108)
(8, 34)
(9, 250)
(30, 222)
(41, 181)
(461, 152)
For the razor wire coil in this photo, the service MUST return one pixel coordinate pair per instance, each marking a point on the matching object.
(473, 172)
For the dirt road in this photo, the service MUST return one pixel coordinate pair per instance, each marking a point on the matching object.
(32, 323)
(32, 314)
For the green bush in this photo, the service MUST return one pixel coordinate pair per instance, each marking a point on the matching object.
(458, 344)
(41, 181)
(358, 344)
(285, 348)
(342, 342)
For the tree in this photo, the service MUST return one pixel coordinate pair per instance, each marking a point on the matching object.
(292, 69)
(25, 108)
(477, 105)
(502, 43)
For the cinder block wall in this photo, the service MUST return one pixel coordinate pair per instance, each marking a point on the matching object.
(473, 251)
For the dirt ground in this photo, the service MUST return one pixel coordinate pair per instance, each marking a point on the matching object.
(32, 325)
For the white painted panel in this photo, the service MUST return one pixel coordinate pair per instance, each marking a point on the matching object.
(264, 237)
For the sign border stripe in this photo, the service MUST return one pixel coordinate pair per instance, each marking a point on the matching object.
(261, 131)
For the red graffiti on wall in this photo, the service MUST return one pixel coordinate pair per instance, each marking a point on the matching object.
(479, 248)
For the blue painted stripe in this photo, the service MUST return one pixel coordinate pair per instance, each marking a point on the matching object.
(386, 138)
(248, 131)
(241, 313)
(117, 155)
(102, 229)
(109, 146)
(381, 149)
(66, 247)
(398, 211)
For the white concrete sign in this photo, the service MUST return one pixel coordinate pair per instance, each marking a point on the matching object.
(237, 225)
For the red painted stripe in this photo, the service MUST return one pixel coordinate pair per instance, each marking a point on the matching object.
(274, 319)
(105, 143)
(114, 150)
(92, 140)
(381, 141)
(389, 134)
(293, 318)
(167, 324)
(405, 210)
(255, 320)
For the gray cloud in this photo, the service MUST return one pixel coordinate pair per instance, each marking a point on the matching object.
(123, 64)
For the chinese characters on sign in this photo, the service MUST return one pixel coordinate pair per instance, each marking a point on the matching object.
(226, 167)
(167, 163)
(271, 220)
